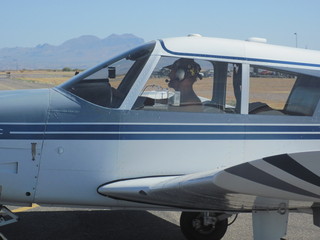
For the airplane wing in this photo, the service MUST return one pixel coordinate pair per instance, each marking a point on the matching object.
(235, 188)
(194, 191)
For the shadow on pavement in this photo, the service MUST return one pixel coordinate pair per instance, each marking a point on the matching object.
(80, 225)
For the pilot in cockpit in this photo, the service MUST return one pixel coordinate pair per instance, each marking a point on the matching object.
(184, 73)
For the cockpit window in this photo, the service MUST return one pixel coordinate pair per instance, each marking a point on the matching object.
(192, 85)
(108, 84)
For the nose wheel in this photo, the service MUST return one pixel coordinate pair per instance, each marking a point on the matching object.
(203, 225)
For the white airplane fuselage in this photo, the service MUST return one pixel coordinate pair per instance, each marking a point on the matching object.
(72, 159)
(61, 146)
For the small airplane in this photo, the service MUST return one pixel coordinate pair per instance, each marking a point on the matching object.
(150, 129)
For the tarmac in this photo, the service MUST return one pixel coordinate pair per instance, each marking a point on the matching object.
(55, 223)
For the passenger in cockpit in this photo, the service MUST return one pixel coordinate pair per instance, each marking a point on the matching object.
(184, 73)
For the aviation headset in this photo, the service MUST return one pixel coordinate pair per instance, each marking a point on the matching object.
(180, 74)
(186, 67)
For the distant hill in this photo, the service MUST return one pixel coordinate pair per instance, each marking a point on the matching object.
(81, 53)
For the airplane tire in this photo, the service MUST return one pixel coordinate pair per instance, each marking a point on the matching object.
(197, 231)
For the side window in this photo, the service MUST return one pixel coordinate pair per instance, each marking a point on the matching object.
(190, 85)
(282, 92)
(304, 96)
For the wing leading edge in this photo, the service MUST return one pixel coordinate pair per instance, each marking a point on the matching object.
(194, 191)
(232, 189)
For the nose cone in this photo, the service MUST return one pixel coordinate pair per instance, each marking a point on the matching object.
(24, 105)
(23, 114)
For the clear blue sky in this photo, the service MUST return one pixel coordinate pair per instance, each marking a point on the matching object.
(27, 23)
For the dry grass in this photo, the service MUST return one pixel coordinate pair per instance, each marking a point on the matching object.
(52, 77)
(274, 91)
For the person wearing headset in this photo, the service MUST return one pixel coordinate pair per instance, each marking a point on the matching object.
(184, 73)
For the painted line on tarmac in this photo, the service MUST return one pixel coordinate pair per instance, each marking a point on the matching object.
(23, 209)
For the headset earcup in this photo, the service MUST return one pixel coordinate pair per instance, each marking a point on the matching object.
(180, 74)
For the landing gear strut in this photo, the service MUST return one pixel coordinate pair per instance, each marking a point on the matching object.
(6, 216)
(203, 225)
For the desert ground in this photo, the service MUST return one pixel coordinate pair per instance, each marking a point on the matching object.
(47, 77)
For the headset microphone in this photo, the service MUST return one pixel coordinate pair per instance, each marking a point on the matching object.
(167, 80)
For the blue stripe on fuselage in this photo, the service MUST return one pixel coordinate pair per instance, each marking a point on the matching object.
(142, 127)
(158, 132)
(238, 58)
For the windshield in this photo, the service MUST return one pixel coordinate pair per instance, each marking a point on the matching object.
(108, 84)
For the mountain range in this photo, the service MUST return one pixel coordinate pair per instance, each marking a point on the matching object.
(79, 53)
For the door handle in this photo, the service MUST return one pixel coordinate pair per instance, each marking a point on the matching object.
(33, 151)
